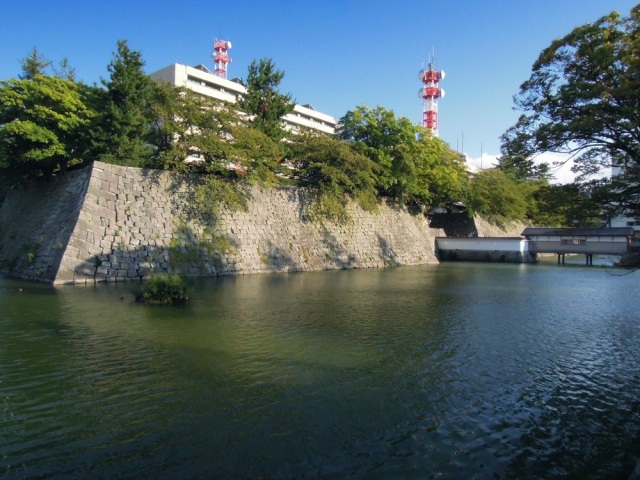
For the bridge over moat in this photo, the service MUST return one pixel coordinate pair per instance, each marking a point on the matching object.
(536, 240)
(587, 241)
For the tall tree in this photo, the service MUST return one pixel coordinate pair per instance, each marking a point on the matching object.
(42, 120)
(497, 196)
(37, 64)
(411, 165)
(583, 99)
(65, 70)
(522, 167)
(34, 64)
(123, 130)
(567, 205)
(334, 173)
(212, 135)
(263, 102)
(197, 134)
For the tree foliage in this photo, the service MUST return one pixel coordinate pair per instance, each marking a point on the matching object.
(583, 99)
(136, 121)
(334, 173)
(164, 289)
(568, 205)
(123, 130)
(213, 136)
(43, 120)
(523, 168)
(410, 164)
(37, 64)
(212, 139)
(498, 197)
(34, 64)
(265, 105)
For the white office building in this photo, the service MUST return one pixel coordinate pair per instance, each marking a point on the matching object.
(203, 81)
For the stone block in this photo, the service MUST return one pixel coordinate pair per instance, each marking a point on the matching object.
(79, 243)
(99, 211)
(84, 224)
(99, 193)
(85, 268)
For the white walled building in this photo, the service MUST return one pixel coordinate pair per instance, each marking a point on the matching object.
(201, 80)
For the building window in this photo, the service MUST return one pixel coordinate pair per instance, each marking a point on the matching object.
(573, 241)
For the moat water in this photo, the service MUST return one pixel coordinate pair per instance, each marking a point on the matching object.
(455, 371)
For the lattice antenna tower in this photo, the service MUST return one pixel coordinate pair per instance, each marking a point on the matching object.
(430, 92)
(221, 57)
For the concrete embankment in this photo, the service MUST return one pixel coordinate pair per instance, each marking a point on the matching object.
(111, 223)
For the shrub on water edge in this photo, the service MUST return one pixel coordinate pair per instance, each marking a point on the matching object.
(164, 289)
(630, 261)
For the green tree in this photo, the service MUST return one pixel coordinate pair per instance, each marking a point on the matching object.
(212, 139)
(211, 135)
(122, 133)
(263, 102)
(34, 64)
(334, 173)
(522, 167)
(42, 120)
(411, 165)
(583, 99)
(498, 197)
(65, 70)
(567, 205)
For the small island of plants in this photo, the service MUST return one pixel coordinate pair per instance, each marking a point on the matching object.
(164, 289)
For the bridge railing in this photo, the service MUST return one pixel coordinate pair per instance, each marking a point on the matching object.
(596, 248)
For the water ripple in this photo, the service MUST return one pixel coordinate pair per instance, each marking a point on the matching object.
(454, 372)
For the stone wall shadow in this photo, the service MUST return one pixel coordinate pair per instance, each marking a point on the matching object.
(302, 197)
(386, 252)
(276, 259)
(338, 255)
(36, 224)
(192, 258)
(454, 224)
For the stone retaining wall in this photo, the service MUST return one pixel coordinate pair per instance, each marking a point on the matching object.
(110, 223)
(36, 224)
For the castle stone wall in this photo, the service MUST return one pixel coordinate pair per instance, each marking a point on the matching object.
(111, 223)
(36, 224)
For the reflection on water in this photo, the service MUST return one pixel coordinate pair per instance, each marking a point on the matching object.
(447, 371)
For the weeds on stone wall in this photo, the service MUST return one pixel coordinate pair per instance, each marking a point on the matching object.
(327, 206)
(202, 198)
(186, 250)
(264, 258)
(31, 252)
(215, 243)
(182, 255)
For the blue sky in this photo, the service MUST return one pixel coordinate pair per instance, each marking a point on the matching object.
(336, 55)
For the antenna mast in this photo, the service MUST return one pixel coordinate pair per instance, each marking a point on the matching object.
(221, 57)
(430, 92)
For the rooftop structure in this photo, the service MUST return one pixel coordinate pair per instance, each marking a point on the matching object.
(205, 82)
(221, 57)
(430, 92)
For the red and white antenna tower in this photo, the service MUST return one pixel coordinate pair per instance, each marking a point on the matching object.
(430, 92)
(221, 57)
